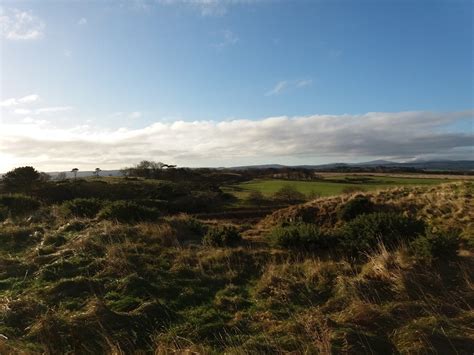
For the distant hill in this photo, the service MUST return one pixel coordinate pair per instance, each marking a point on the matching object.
(429, 165)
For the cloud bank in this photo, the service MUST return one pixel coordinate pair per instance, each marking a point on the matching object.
(306, 139)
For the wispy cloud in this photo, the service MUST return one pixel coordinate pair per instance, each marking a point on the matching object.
(227, 38)
(401, 135)
(278, 88)
(28, 105)
(82, 21)
(286, 85)
(41, 110)
(20, 25)
(135, 115)
(22, 100)
(208, 7)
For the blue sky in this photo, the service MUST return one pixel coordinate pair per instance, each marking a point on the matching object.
(117, 70)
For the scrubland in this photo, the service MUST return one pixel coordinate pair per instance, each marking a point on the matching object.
(389, 271)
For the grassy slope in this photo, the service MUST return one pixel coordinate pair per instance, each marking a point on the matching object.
(329, 186)
(91, 287)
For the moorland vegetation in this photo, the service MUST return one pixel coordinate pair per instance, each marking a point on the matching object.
(159, 261)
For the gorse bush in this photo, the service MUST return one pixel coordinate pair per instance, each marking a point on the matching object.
(222, 236)
(81, 207)
(435, 245)
(17, 204)
(364, 232)
(355, 207)
(128, 212)
(305, 236)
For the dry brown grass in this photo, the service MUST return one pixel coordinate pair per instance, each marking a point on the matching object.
(446, 204)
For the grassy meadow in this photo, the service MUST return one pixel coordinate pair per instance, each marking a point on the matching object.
(329, 185)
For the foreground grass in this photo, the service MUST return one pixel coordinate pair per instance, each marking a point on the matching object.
(92, 286)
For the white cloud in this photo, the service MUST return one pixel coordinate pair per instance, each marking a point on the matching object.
(286, 85)
(308, 139)
(82, 21)
(8, 102)
(20, 25)
(53, 109)
(29, 99)
(28, 105)
(21, 111)
(22, 100)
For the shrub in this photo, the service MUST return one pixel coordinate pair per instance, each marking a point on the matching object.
(304, 236)
(21, 178)
(435, 245)
(222, 236)
(364, 232)
(128, 212)
(17, 204)
(81, 207)
(289, 194)
(355, 207)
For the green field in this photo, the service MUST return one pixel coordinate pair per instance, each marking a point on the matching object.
(328, 186)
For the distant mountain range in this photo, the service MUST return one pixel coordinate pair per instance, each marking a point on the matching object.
(429, 165)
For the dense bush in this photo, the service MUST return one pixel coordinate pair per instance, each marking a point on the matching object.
(289, 194)
(21, 179)
(435, 245)
(81, 207)
(128, 212)
(355, 207)
(364, 232)
(305, 236)
(222, 236)
(17, 204)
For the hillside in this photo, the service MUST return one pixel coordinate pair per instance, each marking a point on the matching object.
(94, 276)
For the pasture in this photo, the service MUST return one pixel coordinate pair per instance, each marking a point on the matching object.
(330, 185)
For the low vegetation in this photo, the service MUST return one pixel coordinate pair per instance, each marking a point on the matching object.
(126, 270)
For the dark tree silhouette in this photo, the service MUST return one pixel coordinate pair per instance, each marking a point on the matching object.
(74, 171)
(23, 178)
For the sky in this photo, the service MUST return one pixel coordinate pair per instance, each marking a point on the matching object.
(234, 82)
